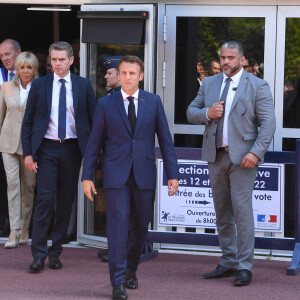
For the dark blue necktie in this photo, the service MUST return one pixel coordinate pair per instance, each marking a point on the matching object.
(131, 113)
(11, 75)
(62, 111)
(219, 133)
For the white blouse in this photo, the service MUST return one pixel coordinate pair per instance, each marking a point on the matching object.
(24, 92)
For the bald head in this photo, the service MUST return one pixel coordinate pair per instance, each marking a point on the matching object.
(9, 50)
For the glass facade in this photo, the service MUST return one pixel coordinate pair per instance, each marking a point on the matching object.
(291, 99)
(198, 41)
(291, 110)
(195, 39)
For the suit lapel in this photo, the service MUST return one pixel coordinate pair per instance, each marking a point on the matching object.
(141, 107)
(75, 90)
(16, 94)
(120, 104)
(49, 87)
(218, 85)
(240, 88)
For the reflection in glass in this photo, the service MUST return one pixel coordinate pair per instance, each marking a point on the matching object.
(291, 101)
(105, 50)
(96, 225)
(188, 140)
(198, 41)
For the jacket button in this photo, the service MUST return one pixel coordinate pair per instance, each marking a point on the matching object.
(213, 134)
(133, 141)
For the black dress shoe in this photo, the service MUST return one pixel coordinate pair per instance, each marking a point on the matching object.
(54, 262)
(103, 255)
(119, 292)
(220, 272)
(131, 281)
(243, 277)
(37, 264)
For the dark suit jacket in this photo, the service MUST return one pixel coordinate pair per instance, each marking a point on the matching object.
(5, 72)
(37, 116)
(124, 149)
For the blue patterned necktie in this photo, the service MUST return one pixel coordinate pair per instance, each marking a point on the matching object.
(11, 75)
(219, 133)
(62, 111)
(131, 113)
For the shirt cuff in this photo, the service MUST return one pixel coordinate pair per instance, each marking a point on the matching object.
(207, 116)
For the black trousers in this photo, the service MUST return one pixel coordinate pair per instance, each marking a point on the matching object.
(57, 180)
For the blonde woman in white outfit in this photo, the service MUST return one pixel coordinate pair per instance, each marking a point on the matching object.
(20, 181)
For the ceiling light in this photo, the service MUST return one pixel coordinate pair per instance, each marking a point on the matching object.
(50, 8)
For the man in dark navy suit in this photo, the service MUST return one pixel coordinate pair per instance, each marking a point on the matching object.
(124, 126)
(55, 131)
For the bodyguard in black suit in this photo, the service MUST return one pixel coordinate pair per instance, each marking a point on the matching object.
(55, 131)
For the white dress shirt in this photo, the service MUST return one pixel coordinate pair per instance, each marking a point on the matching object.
(231, 93)
(24, 92)
(52, 131)
(126, 101)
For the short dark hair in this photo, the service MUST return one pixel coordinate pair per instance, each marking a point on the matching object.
(62, 46)
(133, 60)
(234, 45)
(214, 61)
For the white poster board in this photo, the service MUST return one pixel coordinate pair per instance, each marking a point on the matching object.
(192, 206)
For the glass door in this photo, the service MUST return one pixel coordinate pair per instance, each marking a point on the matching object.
(287, 91)
(194, 36)
(287, 104)
(106, 30)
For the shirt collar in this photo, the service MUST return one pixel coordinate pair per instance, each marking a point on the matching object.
(135, 95)
(235, 77)
(67, 78)
(27, 87)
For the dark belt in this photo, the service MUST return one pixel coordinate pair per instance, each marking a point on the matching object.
(224, 149)
(66, 141)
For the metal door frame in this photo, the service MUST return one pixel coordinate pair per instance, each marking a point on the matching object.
(284, 12)
(149, 60)
(167, 58)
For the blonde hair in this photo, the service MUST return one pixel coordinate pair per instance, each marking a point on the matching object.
(21, 60)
